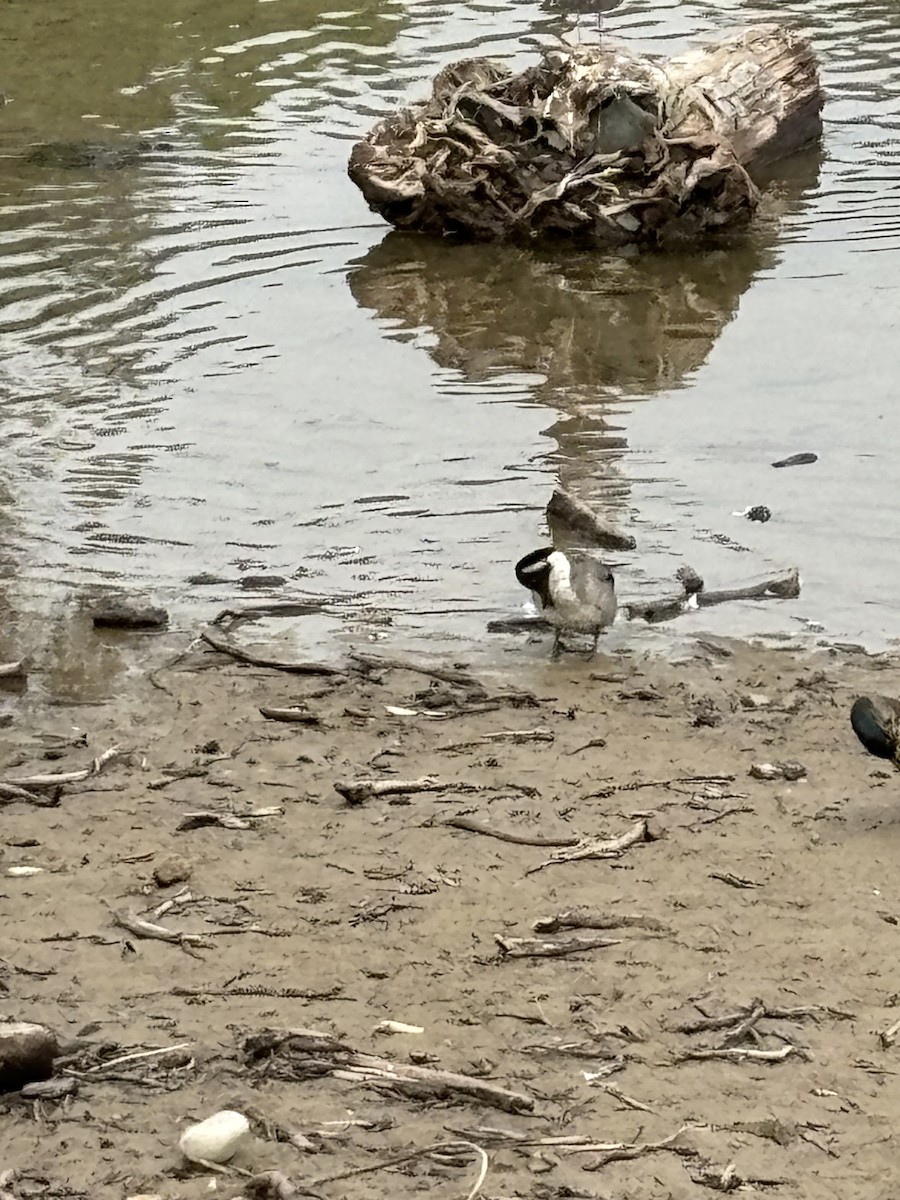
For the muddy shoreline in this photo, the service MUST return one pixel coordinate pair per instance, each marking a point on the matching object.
(770, 901)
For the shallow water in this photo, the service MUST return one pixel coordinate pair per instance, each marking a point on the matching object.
(219, 361)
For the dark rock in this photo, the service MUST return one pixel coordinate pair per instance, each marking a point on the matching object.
(262, 581)
(171, 870)
(27, 1052)
(122, 614)
(759, 512)
(796, 460)
(205, 579)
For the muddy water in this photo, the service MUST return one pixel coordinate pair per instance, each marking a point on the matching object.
(217, 360)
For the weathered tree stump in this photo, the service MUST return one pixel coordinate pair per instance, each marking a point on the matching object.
(598, 143)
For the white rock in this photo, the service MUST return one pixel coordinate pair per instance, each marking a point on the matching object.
(217, 1139)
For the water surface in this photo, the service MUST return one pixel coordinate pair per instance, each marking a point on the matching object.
(219, 361)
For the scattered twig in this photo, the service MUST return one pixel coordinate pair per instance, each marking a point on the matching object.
(299, 716)
(141, 1054)
(614, 1090)
(286, 993)
(600, 847)
(307, 1053)
(624, 1151)
(721, 815)
(261, 660)
(357, 791)
(9, 793)
(594, 743)
(398, 1160)
(284, 608)
(736, 881)
(585, 918)
(518, 947)
(55, 780)
(380, 662)
(129, 920)
(518, 839)
(516, 736)
(740, 1054)
(604, 792)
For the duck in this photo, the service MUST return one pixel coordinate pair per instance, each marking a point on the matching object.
(876, 722)
(574, 591)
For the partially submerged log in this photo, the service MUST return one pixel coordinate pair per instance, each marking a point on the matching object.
(599, 143)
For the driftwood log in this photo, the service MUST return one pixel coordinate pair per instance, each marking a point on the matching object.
(598, 143)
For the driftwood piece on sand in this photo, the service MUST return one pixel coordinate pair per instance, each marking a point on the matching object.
(640, 831)
(263, 660)
(526, 947)
(380, 662)
(308, 1053)
(471, 825)
(599, 142)
(586, 918)
(45, 790)
(357, 791)
(784, 586)
(572, 521)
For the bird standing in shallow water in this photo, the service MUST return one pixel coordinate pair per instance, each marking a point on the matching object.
(575, 592)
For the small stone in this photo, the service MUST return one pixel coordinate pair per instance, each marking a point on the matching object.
(765, 771)
(796, 460)
(171, 870)
(261, 581)
(755, 700)
(27, 1052)
(122, 614)
(792, 771)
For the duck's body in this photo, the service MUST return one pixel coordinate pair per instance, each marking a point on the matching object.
(876, 722)
(575, 592)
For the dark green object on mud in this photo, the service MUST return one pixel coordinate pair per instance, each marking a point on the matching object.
(876, 722)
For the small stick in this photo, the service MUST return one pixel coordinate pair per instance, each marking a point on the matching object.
(298, 715)
(736, 881)
(516, 736)
(600, 848)
(720, 816)
(605, 792)
(629, 1101)
(10, 792)
(584, 918)
(623, 1151)
(356, 791)
(444, 674)
(740, 1054)
(517, 839)
(124, 1058)
(57, 780)
(262, 660)
(515, 947)
(129, 920)
(744, 1026)
(398, 1160)
(889, 1036)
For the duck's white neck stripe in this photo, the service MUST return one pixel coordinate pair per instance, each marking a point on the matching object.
(560, 586)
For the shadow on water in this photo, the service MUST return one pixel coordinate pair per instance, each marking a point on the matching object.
(591, 330)
(214, 360)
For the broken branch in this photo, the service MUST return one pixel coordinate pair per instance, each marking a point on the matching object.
(261, 660)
